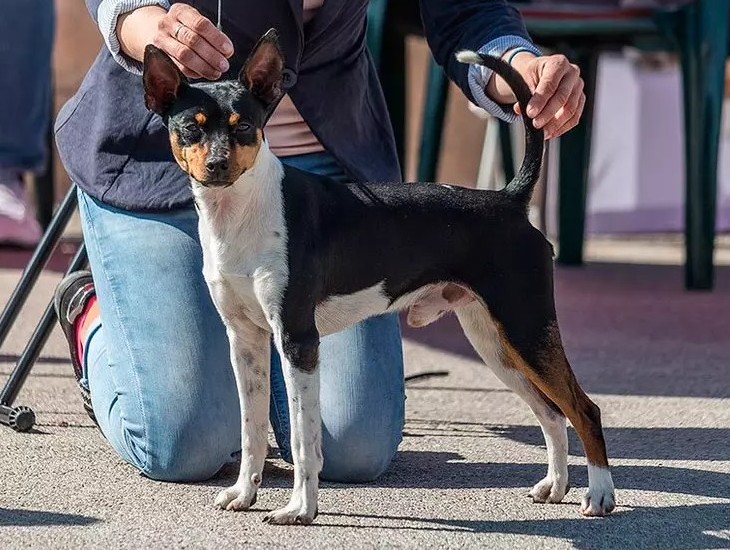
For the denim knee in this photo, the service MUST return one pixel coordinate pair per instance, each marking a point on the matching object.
(357, 457)
(186, 460)
(190, 448)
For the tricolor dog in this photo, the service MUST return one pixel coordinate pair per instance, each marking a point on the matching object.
(294, 256)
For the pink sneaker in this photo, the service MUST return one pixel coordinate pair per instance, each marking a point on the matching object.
(18, 223)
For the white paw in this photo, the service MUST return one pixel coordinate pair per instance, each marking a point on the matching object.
(600, 499)
(291, 515)
(550, 490)
(238, 497)
(598, 503)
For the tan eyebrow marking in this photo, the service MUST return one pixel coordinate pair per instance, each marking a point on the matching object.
(200, 118)
(233, 119)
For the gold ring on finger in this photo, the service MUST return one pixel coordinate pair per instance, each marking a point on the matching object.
(177, 30)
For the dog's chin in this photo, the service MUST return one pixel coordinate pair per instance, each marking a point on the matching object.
(215, 184)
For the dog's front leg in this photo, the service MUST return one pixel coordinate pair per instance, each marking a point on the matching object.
(300, 357)
(250, 356)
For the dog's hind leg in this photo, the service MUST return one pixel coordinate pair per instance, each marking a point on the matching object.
(548, 368)
(300, 358)
(525, 321)
(250, 356)
(483, 335)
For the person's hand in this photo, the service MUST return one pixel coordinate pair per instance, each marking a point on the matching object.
(198, 48)
(558, 100)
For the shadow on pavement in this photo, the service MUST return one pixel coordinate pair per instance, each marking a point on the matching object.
(670, 528)
(446, 470)
(636, 443)
(643, 443)
(30, 518)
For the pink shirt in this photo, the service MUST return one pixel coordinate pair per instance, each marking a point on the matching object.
(287, 132)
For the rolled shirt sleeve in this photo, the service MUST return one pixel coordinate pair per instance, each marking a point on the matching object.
(107, 16)
(479, 76)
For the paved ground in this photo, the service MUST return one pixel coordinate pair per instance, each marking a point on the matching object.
(655, 358)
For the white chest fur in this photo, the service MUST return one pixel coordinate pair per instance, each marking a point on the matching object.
(243, 236)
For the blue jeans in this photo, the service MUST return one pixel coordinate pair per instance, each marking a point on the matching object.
(158, 369)
(26, 38)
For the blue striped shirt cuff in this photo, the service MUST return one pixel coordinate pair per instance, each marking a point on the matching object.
(107, 16)
(479, 76)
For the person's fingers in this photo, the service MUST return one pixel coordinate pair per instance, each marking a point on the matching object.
(551, 72)
(559, 98)
(203, 27)
(572, 123)
(571, 108)
(193, 42)
(190, 63)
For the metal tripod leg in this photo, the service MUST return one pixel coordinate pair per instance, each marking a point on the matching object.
(37, 263)
(22, 418)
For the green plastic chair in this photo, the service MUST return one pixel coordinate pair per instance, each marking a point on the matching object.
(697, 31)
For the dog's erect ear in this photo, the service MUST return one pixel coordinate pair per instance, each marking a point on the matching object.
(162, 80)
(263, 70)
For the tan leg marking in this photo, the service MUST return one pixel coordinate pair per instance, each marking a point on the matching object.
(557, 381)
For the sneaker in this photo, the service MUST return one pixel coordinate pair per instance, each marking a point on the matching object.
(70, 299)
(18, 223)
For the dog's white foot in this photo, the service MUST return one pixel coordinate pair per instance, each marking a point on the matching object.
(598, 504)
(238, 497)
(294, 513)
(600, 499)
(552, 489)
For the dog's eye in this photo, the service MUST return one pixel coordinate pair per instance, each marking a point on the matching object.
(243, 127)
(190, 132)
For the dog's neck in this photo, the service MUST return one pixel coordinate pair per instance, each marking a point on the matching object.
(240, 223)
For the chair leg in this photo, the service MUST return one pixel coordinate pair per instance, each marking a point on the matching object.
(376, 25)
(505, 147)
(575, 152)
(703, 39)
(45, 186)
(434, 111)
(490, 174)
(44, 183)
(393, 80)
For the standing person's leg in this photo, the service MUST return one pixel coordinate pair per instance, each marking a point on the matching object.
(361, 384)
(26, 40)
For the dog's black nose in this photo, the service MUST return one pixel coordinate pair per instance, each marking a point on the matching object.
(216, 165)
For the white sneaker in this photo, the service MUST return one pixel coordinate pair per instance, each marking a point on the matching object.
(18, 223)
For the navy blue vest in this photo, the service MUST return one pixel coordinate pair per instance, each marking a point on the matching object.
(118, 152)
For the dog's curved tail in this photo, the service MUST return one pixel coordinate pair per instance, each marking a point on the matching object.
(524, 182)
